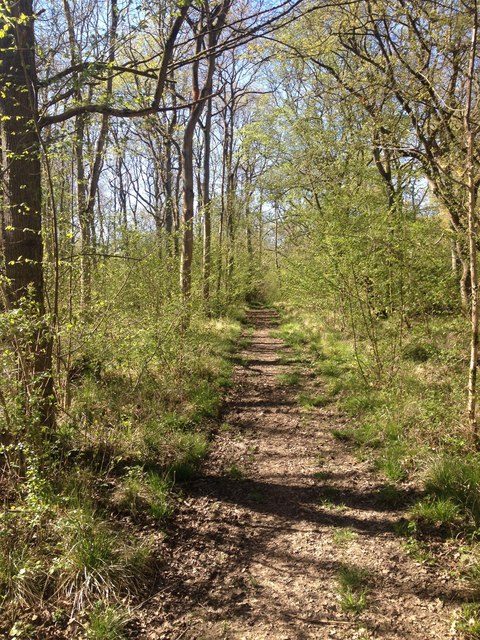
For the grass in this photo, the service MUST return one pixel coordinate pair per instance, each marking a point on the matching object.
(392, 462)
(106, 622)
(472, 575)
(352, 588)
(312, 400)
(396, 421)
(322, 475)
(455, 483)
(290, 378)
(146, 492)
(341, 537)
(419, 551)
(328, 503)
(468, 621)
(188, 450)
(94, 559)
(406, 421)
(389, 495)
(436, 512)
(235, 472)
(141, 423)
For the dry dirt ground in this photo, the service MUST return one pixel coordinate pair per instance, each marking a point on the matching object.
(281, 506)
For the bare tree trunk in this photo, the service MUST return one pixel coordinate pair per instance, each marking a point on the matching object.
(86, 194)
(472, 231)
(207, 218)
(211, 30)
(188, 209)
(79, 145)
(223, 206)
(169, 203)
(231, 186)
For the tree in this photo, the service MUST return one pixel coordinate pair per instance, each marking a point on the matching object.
(22, 243)
(207, 32)
(21, 197)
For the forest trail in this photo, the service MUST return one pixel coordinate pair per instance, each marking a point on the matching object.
(281, 509)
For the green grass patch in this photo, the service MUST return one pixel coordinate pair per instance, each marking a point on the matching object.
(235, 472)
(107, 622)
(456, 481)
(389, 495)
(141, 397)
(467, 621)
(188, 451)
(312, 400)
(419, 551)
(322, 475)
(352, 588)
(291, 378)
(341, 537)
(436, 512)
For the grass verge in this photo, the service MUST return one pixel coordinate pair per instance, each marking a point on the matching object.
(81, 524)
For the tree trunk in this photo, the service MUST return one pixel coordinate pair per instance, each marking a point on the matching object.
(472, 232)
(188, 209)
(207, 219)
(211, 30)
(21, 241)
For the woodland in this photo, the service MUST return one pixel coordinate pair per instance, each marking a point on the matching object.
(239, 291)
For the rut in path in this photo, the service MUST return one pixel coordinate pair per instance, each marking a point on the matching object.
(259, 540)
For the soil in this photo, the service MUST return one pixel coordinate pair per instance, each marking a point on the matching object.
(280, 508)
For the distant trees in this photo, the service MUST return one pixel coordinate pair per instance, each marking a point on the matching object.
(406, 65)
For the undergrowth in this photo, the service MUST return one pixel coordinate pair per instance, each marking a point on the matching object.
(409, 423)
(81, 521)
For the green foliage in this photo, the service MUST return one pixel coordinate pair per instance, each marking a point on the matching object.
(235, 472)
(441, 511)
(92, 559)
(322, 475)
(188, 451)
(291, 378)
(146, 492)
(456, 481)
(311, 400)
(472, 572)
(139, 392)
(419, 550)
(352, 590)
(468, 621)
(391, 461)
(106, 622)
(341, 537)
(389, 495)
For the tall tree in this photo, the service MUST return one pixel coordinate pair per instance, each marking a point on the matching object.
(21, 194)
(207, 32)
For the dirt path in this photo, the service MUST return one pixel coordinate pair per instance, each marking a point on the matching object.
(281, 508)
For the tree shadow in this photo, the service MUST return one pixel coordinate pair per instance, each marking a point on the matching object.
(236, 530)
